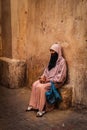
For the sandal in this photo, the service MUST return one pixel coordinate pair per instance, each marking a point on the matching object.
(40, 113)
(29, 108)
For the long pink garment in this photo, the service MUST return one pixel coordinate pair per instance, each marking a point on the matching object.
(56, 74)
(38, 99)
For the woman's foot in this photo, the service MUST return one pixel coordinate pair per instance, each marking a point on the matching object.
(40, 113)
(30, 108)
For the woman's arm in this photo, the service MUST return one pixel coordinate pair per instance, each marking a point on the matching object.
(60, 76)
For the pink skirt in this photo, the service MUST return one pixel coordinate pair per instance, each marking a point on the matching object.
(38, 98)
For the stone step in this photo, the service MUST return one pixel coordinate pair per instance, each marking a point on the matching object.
(66, 102)
(12, 72)
(66, 93)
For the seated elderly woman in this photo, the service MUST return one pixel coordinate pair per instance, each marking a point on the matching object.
(55, 72)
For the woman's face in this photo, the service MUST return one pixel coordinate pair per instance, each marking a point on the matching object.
(53, 59)
(52, 51)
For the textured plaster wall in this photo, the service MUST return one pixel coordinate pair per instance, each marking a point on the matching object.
(6, 28)
(36, 24)
(19, 21)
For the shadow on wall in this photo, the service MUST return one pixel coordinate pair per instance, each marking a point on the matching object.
(67, 81)
(35, 68)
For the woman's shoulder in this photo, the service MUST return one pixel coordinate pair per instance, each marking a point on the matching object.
(62, 60)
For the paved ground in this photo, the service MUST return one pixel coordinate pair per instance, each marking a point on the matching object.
(13, 103)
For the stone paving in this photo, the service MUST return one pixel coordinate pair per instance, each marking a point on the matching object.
(13, 103)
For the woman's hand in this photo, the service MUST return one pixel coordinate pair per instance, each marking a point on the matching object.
(42, 79)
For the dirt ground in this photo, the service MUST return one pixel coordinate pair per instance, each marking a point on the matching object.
(13, 103)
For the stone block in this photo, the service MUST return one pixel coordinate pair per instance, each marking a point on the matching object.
(66, 93)
(65, 103)
(12, 72)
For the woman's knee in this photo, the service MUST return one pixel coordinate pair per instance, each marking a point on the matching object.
(35, 83)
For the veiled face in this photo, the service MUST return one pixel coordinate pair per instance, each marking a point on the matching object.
(53, 59)
(57, 48)
(52, 51)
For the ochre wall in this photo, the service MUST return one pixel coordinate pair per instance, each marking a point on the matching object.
(19, 19)
(36, 24)
(6, 28)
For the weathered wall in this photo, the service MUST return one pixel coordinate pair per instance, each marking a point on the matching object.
(19, 19)
(0, 32)
(37, 24)
(6, 28)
